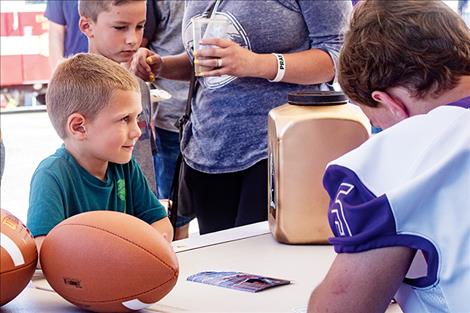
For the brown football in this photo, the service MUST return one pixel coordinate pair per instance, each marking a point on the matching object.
(18, 256)
(107, 261)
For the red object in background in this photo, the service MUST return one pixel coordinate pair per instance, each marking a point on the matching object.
(24, 44)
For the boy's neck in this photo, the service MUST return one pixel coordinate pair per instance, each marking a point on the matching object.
(460, 91)
(94, 167)
(428, 103)
(92, 48)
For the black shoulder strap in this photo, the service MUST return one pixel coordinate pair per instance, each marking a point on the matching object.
(210, 9)
(187, 111)
(180, 123)
(193, 85)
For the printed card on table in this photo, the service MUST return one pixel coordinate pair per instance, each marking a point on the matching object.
(238, 280)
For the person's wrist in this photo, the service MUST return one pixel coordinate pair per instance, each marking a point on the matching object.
(263, 66)
(160, 68)
(280, 67)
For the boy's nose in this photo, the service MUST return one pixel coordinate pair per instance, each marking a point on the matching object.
(131, 38)
(135, 132)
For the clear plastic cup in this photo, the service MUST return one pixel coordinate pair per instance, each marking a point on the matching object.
(203, 28)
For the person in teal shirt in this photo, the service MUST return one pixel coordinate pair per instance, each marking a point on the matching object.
(94, 105)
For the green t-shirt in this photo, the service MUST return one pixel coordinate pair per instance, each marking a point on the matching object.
(61, 188)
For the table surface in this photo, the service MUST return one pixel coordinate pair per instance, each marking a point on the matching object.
(250, 249)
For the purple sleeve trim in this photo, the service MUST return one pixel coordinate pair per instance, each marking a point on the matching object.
(463, 103)
(362, 221)
(355, 213)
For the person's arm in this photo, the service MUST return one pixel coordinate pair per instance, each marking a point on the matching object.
(145, 204)
(165, 228)
(362, 282)
(312, 66)
(56, 44)
(46, 204)
(177, 67)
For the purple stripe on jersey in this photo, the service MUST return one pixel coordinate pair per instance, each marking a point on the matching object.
(362, 221)
(355, 214)
(464, 103)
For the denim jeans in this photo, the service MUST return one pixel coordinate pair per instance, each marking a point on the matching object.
(168, 149)
(376, 130)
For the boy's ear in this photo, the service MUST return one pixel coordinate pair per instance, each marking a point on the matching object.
(394, 107)
(86, 26)
(76, 126)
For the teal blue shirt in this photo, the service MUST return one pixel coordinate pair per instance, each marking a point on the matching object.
(61, 188)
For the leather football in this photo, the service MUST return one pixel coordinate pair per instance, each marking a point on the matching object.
(107, 261)
(18, 256)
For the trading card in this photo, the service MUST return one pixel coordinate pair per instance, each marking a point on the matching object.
(238, 280)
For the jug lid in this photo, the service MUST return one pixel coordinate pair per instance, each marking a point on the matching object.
(316, 98)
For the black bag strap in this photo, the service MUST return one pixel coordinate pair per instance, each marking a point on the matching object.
(173, 203)
(193, 85)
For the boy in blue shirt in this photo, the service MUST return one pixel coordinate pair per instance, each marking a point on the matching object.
(94, 105)
(400, 202)
(65, 38)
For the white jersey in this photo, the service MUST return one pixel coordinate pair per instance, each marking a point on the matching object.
(410, 186)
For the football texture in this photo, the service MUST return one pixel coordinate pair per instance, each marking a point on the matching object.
(18, 255)
(107, 261)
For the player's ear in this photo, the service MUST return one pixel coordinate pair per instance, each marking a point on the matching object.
(76, 126)
(396, 110)
(86, 26)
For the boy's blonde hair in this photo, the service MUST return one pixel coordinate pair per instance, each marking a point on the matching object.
(421, 45)
(93, 8)
(84, 84)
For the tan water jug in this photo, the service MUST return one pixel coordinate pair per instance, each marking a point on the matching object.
(312, 129)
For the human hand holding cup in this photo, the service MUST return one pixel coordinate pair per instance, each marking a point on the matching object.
(203, 28)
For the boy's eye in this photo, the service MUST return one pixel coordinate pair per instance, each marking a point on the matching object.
(120, 27)
(140, 26)
(125, 119)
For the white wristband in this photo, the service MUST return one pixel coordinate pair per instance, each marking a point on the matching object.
(281, 67)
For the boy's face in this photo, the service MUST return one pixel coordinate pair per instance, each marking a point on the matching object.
(111, 136)
(117, 33)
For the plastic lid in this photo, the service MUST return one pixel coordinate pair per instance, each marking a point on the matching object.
(317, 98)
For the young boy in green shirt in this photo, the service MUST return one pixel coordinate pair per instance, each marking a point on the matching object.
(94, 105)
(115, 29)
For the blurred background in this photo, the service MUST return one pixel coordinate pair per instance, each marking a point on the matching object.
(24, 53)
